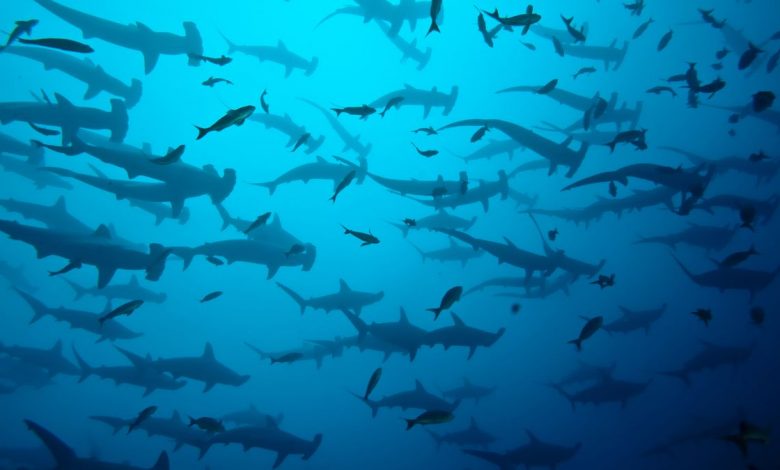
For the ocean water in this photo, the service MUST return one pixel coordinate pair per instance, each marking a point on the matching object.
(667, 423)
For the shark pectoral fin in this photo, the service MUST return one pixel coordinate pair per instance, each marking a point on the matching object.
(176, 207)
(150, 60)
(148, 392)
(287, 71)
(92, 91)
(279, 459)
(105, 274)
(426, 111)
(272, 269)
(209, 386)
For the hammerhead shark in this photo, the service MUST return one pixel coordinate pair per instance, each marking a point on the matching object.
(136, 36)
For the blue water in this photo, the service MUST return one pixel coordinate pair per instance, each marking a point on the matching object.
(356, 64)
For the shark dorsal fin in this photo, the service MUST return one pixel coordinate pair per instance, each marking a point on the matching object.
(282, 46)
(62, 100)
(440, 179)
(418, 386)
(57, 348)
(176, 416)
(320, 159)
(60, 203)
(343, 286)
(142, 27)
(509, 242)
(134, 281)
(403, 318)
(208, 351)
(452, 243)
(532, 437)
(102, 232)
(456, 319)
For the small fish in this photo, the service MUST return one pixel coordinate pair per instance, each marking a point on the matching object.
(43, 130)
(515, 309)
(426, 153)
(68, 267)
(430, 417)
(447, 301)
(301, 140)
(263, 103)
(479, 134)
(211, 296)
(703, 314)
(426, 130)
(234, 117)
(529, 45)
(758, 157)
(126, 308)
(260, 220)
(214, 260)
(635, 8)
(288, 358)
(221, 60)
(372, 382)
(22, 27)
(59, 43)
(173, 156)
(552, 234)
(410, 222)
(435, 10)
(717, 66)
(763, 100)
(583, 71)
(713, 87)
(589, 329)
(657, 90)
(748, 433)
(214, 80)
(748, 56)
(604, 281)
(757, 315)
(363, 111)
(366, 238)
(482, 27)
(296, 249)
(665, 40)
(392, 103)
(577, 34)
(210, 425)
(550, 86)
(722, 53)
(642, 28)
(558, 46)
(737, 258)
(734, 118)
(342, 185)
(142, 416)
(439, 191)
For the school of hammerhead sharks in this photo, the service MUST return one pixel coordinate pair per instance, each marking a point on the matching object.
(161, 185)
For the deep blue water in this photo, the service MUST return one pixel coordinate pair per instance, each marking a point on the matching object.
(356, 64)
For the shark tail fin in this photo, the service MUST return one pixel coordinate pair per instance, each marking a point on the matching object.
(61, 452)
(202, 131)
(39, 309)
(678, 374)
(564, 393)
(423, 255)
(78, 290)
(295, 296)
(231, 45)
(270, 186)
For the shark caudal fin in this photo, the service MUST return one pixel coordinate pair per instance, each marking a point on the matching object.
(158, 254)
(295, 296)
(313, 446)
(61, 452)
(162, 462)
(39, 309)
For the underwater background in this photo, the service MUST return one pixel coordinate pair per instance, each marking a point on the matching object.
(665, 423)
